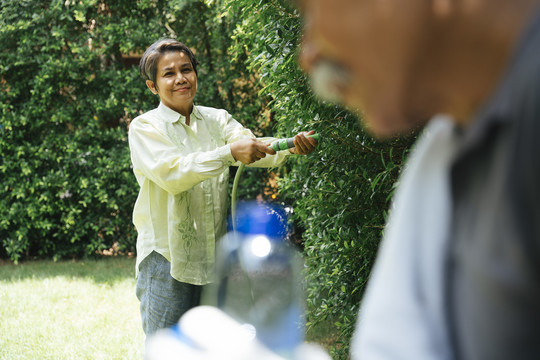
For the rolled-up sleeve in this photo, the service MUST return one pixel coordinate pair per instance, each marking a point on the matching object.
(156, 157)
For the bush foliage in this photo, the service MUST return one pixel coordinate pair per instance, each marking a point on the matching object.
(341, 193)
(68, 91)
(67, 95)
(65, 99)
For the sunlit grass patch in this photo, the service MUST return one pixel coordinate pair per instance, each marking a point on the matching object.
(70, 310)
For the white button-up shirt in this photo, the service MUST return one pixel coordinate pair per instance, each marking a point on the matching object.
(183, 176)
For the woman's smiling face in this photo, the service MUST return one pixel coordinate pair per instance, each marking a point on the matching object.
(176, 82)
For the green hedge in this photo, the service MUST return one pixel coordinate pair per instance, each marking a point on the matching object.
(341, 193)
(66, 99)
(66, 186)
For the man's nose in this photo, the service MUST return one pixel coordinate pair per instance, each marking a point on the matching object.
(309, 54)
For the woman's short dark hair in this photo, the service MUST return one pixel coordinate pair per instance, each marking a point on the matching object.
(150, 58)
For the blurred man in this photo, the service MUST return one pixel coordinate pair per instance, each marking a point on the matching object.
(458, 272)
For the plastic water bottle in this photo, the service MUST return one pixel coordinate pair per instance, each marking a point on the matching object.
(259, 281)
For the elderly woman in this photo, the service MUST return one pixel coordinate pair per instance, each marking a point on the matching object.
(181, 153)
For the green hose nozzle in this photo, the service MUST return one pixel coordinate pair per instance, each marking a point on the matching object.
(282, 144)
(285, 144)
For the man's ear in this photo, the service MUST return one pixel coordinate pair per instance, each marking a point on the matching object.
(151, 86)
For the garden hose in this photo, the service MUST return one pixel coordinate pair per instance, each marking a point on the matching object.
(285, 144)
(278, 145)
(233, 195)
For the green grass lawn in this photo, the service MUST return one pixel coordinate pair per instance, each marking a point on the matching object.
(70, 310)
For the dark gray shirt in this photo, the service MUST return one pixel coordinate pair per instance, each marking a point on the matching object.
(493, 292)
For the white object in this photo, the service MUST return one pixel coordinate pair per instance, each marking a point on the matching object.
(402, 313)
(207, 333)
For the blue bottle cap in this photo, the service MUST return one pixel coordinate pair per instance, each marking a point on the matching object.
(254, 218)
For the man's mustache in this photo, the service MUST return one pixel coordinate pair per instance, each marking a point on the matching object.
(327, 78)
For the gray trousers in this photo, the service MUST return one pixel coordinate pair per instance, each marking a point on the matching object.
(163, 299)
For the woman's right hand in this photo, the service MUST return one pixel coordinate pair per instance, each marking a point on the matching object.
(248, 151)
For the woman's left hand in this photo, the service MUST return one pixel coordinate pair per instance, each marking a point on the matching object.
(303, 144)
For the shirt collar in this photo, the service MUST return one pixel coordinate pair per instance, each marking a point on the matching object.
(514, 83)
(171, 116)
(196, 113)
